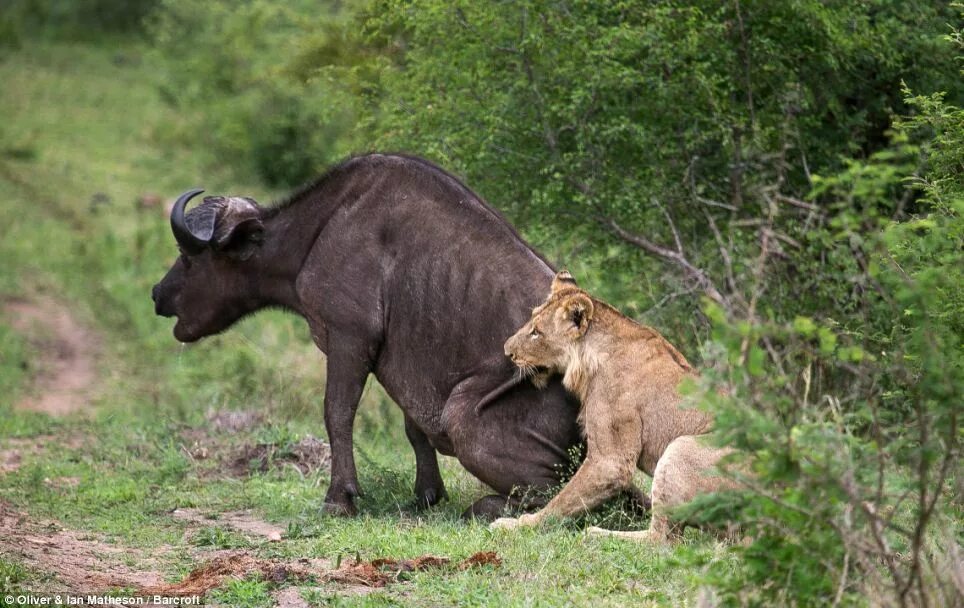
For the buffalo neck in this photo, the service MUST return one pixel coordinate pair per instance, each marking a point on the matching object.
(288, 238)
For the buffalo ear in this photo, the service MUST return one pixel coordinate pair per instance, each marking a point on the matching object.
(562, 280)
(240, 240)
(577, 310)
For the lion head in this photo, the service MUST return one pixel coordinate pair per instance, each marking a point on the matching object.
(546, 343)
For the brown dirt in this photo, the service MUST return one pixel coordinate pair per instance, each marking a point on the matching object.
(82, 563)
(242, 521)
(65, 370)
(309, 454)
(13, 449)
(233, 420)
(79, 561)
(380, 572)
(289, 597)
(482, 558)
(212, 450)
(236, 565)
(10, 459)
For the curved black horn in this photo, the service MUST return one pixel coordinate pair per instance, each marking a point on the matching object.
(190, 243)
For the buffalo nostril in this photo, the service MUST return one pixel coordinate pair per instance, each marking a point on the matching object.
(154, 293)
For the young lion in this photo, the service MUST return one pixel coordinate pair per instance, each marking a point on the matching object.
(626, 376)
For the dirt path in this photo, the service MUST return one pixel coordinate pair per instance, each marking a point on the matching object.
(65, 368)
(79, 561)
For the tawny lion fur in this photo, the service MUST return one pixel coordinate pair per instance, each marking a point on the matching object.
(627, 377)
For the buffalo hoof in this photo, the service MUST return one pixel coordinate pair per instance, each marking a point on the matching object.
(340, 500)
(340, 509)
(487, 508)
(429, 497)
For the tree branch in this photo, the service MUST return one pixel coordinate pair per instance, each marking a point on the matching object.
(676, 257)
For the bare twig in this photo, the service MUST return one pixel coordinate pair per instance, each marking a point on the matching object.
(697, 274)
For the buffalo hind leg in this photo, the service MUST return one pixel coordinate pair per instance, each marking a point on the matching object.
(487, 508)
(429, 487)
(347, 372)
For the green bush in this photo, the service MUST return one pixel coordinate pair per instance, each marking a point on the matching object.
(852, 426)
(236, 67)
(71, 19)
(659, 127)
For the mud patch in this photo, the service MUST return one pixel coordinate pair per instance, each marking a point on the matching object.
(307, 455)
(78, 561)
(65, 370)
(242, 521)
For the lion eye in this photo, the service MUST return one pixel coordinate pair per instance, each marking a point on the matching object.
(535, 334)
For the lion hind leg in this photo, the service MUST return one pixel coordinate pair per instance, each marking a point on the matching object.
(684, 471)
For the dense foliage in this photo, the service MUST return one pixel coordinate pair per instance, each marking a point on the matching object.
(240, 65)
(21, 20)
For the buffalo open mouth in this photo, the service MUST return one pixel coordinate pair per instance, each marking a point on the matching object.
(183, 333)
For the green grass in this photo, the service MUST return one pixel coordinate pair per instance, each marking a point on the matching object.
(84, 134)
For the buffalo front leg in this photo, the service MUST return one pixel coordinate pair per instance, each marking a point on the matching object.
(346, 380)
(429, 487)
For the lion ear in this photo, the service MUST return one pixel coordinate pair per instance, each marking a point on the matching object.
(578, 311)
(562, 280)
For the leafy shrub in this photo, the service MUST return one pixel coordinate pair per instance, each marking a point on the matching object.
(852, 423)
(237, 68)
(71, 19)
(659, 127)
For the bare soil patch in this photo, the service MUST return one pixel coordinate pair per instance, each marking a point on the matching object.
(65, 371)
(242, 521)
(212, 443)
(233, 421)
(237, 565)
(79, 562)
(380, 572)
(307, 455)
(289, 597)
(82, 563)
(14, 449)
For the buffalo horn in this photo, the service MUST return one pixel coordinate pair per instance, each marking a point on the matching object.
(188, 241)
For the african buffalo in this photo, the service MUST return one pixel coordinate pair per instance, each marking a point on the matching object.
(401, 271)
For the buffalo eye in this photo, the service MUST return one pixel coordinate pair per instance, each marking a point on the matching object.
(185, 260)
